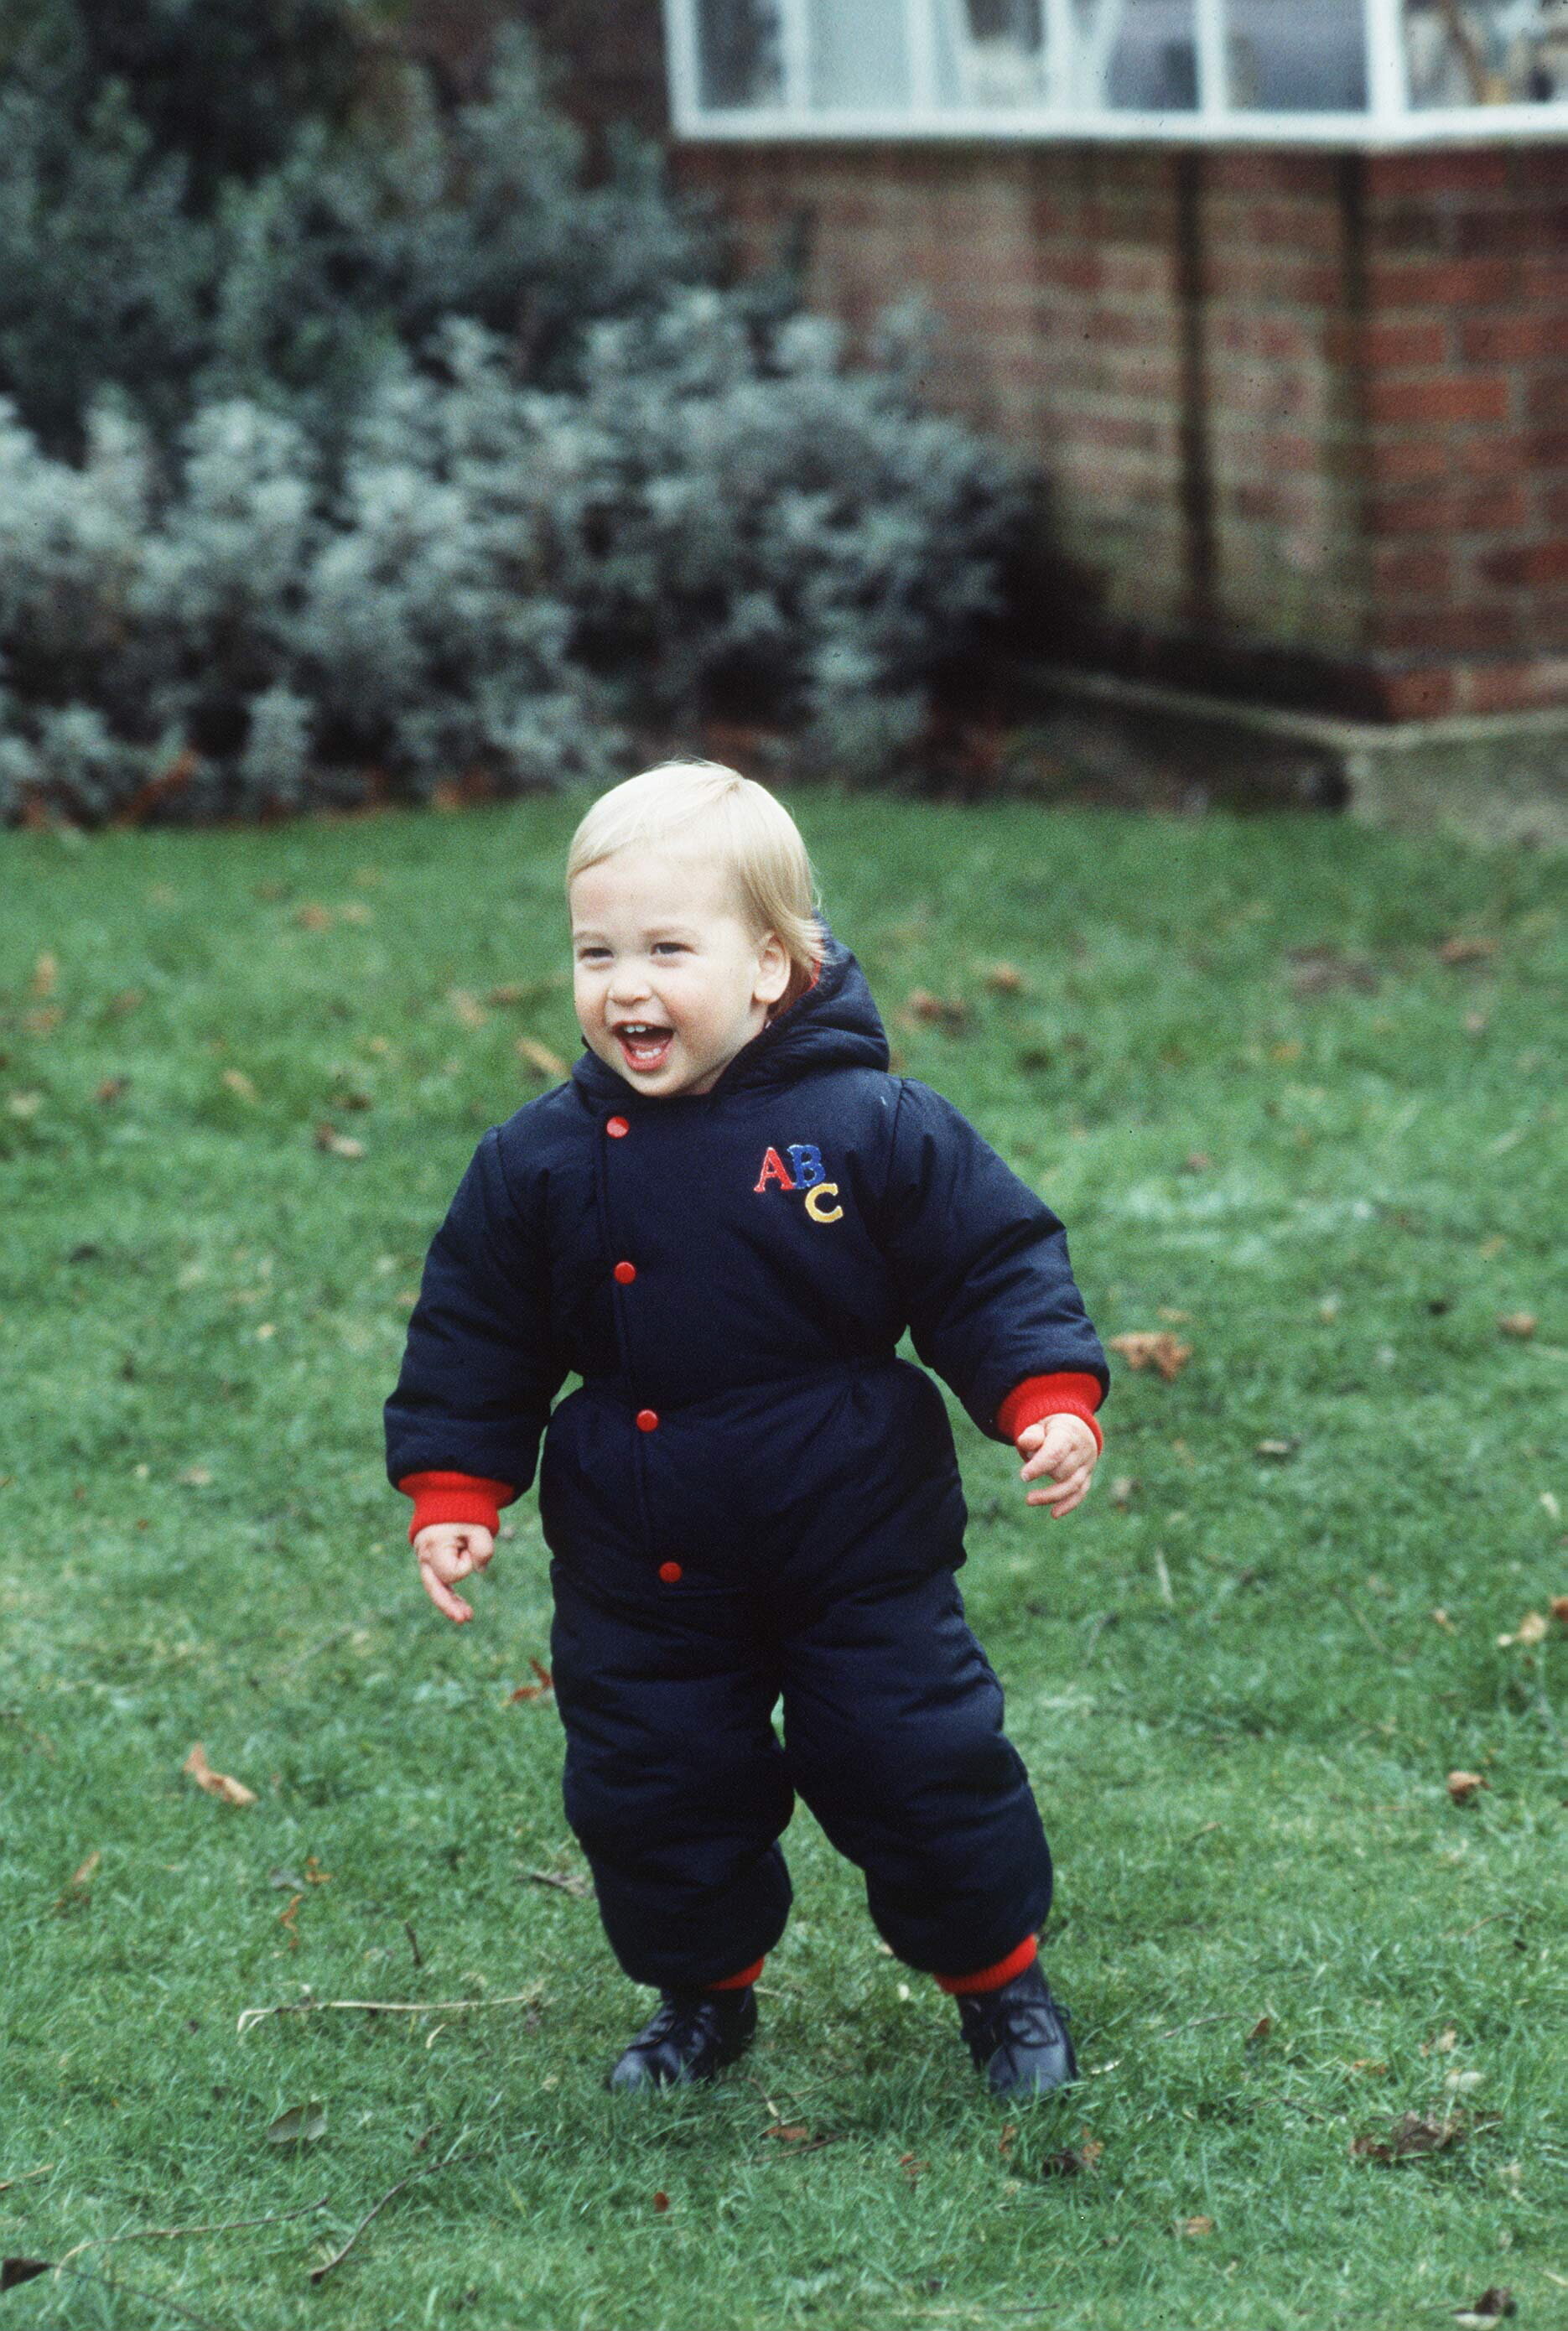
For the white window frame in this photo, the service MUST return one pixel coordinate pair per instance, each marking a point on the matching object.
(1389, 120)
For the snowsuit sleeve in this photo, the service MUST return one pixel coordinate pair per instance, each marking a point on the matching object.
(980, 1262)
(478, 1369)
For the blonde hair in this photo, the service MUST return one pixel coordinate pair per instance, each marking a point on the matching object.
(736, 821)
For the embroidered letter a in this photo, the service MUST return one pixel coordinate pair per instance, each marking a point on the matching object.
(773, 1170)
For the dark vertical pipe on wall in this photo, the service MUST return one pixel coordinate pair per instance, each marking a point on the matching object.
(1197, 462)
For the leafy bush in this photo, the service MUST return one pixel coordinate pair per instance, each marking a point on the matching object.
(407, 458)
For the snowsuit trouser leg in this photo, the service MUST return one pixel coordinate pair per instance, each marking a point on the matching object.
(675, 1783)
(678, 1789)
(893, 1737)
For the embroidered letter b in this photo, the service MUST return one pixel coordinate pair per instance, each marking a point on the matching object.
(807, 1160)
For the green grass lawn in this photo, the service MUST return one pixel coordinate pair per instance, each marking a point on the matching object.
(1280, 1126)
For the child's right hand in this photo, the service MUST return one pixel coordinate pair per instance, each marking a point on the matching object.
(446, 1552)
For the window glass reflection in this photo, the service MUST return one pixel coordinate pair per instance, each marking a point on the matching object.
(1285, 58)
(739, 54)
(1485, 52)
(1139, 56)
(858, 56)
(991, 52)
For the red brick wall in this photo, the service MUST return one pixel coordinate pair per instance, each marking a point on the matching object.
(1304, 416)
(1467, 401)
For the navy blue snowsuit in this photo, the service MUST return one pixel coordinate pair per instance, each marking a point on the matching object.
(748, 1497)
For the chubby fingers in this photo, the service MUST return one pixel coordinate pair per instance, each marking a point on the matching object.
(447, 1552)
(450, 1606)
(1063, 1452)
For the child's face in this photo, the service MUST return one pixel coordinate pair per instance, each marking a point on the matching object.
(669, 978)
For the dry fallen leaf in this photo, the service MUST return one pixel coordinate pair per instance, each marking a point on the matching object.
(1280, 1452)
(311, 918)
(1532, 1629)
(337, 1145)
(1559, 1608)
(239, 1084)
(949, 1011)
(1441, 1618)
(78, 1894)
(1146, 1347)
(1005, 979)
(111, 1089)
(1466, 947)
(1073, 2163)
(1447, 2040)
(1316, 971)
(1522, 1324)
(1195, 2227)
(1462, 1787)
(1496, 2300)
(1260, 2030)
(540, 1057)
(195, 1476)
(546, 1682)
(1412, 2135)
(300, 2124)
(286, 1920)
(1123, 1490)
(216, 1784)
(662, 2201)
(468, 1009)
(45, 973)
(911, 2167)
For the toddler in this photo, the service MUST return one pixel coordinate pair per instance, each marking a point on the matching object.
(723, 1224)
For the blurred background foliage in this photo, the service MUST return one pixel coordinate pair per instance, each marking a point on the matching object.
(359, 440)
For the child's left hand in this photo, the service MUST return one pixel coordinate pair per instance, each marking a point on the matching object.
(1063, 1448)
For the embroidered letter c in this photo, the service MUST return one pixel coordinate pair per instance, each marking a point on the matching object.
(821, 1214)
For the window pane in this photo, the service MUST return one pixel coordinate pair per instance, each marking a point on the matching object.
(990, 52)
(1141, 55)
(1288, 58)
(1485, 52)
(860, 56)
(739, 54)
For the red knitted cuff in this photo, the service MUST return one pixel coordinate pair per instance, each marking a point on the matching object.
(738, 1982)
(456, 1498)
(1037, 1397)
(992, 1978)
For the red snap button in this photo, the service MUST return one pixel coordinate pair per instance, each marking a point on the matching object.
(615, 1126)
(670, 1572)
(625, 1272)
(648, 1420)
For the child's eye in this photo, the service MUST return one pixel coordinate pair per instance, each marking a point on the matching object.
(670, 947)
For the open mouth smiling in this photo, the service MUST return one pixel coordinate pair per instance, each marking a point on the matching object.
(646, 1044)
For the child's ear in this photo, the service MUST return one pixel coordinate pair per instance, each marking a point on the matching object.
(773, 969)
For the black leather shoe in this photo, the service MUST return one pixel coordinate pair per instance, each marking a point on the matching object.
(1018, 2036)
(694, 2035)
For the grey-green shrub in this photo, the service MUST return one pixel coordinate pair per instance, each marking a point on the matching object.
(409, 457)
(492, 577)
